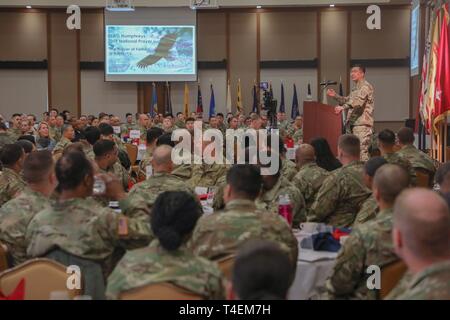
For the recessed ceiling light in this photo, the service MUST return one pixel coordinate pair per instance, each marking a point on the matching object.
(332, 5)
(258, 7)
(29, 7)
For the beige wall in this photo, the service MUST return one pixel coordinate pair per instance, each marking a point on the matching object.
(211, 36)
(91, 37)
(63, 65)
(333, 44)
(243, 64)
(23, 36)
(284, 35)
(288, 36)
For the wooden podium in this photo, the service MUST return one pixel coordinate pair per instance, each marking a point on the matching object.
(319, 120)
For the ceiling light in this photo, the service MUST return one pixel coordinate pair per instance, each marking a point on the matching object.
(29, 7)
(331, 5)
(258, 7)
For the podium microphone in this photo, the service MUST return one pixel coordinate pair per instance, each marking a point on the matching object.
(328, 83)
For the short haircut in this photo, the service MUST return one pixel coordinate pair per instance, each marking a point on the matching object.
(16, 115)
(391, 180)
(168, 115)
(245, 180)
(373, 164)
(190, 119)
(77, 147)
(165, 139)
(360, 66)
(66, 127)
(387, 137)
(33, 116)
(174, 216)
(255, 116)
(26, 145)
(92, 135)
(405, 135)
(178, 113)
(162, 155)
(153, 134)
(105, 129)
(349, 143)
(71, 169)
(128, 114)
(28, 137)
(10, 154)
(220, 114)
(103, 147)
(423, 218)
(262, 271)
(37, 166)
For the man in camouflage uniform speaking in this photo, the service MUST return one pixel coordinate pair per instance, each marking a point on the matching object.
(359, 106)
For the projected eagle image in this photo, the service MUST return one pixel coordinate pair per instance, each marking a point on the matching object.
(163, 50)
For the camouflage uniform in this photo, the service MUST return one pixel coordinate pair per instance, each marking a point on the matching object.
(369, 210)
(308, 180)
(180, 124)
(401, 287)
(11, 184)
(222, 233)
(83, 228)
(295, 133)
(60, 146)
(14, 133)
(15, 215)
(120, 172)
(360, 107)
(147, 191)
(5, 138)
(433, 283)
(417, 158)
(54, 133)
(183, 171)
(146, 161)
(340, 196)
(288, 169)
(119, 144)
(268, 200)
(369, 244)
(89, 151)
(153, 264)
(126, 127)
(206, 175)
(395, 158)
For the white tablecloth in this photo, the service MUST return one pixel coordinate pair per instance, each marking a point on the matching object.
(313, 268)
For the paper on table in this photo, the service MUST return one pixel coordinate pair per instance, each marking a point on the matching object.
(135, 134)
(312, 256)
(116, 129)
(201, 190)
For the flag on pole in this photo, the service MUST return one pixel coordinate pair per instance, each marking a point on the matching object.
(442, 95)
(271, 89)
(186, 100)
(324, 94)
(212, 103)
(239, 97)
(168, 98)
(228, 102)
(341, 89)
(294, 112)
(154, 104)
(282, 106)
(429, 98)
(344, 112)
(199, 99)
(255, 99)
(309, 95)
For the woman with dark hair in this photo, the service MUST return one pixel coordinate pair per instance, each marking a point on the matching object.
(324, 157)
(43, 139)
(166, 259)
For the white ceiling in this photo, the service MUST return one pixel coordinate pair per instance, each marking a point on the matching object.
(221, 3)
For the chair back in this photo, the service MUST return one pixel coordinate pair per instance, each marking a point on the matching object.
(42, 276)
(424, 178)
(159, 291)
(390, 276)
(132, 151)
(226, 265)
(3, 257)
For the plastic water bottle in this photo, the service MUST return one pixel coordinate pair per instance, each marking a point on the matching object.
(285, 208)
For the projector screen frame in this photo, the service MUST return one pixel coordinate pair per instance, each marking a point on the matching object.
(146, 78)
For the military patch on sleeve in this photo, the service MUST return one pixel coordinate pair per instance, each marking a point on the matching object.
(123, 226)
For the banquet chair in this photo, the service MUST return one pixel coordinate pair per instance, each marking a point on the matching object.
(3, 257)
(42, 276)
(159, 291)
(132, 151)
(424, 178)
(226, 265)
(390, 276)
